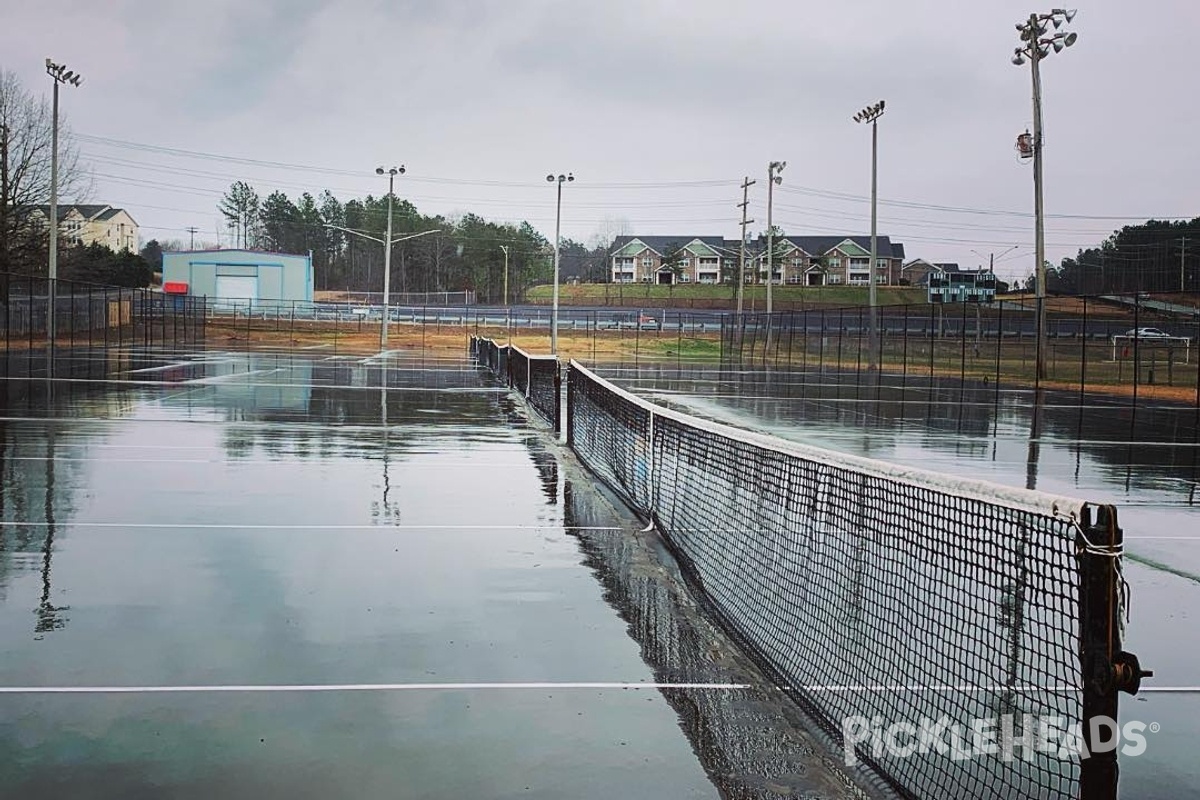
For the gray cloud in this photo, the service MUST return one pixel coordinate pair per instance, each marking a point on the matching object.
(655, 91)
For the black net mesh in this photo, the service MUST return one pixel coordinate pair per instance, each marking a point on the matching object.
(544, 387)
(611, 434)
(519, 370)
(491, 355)
(888, 595)
(536, 378)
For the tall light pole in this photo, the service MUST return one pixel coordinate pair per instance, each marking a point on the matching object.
(1036, 45)
(60, 74)
(387, 249)
(872, 114)
(773, 178)
(391, 172)
(560, 180)
(504, 247)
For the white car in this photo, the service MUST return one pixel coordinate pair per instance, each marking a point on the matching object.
(1148, 333)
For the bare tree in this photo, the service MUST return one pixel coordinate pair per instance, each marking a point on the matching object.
(603, 243)
(25, 143)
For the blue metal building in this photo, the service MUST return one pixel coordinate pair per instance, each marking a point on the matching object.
(239, 277)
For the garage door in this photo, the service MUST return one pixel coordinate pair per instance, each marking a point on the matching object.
(237, 290)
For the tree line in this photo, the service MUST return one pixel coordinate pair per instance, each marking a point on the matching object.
(1156, 256)
(451, 254)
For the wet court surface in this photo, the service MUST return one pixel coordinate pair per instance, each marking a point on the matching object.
(234, 522)
(257, 529)
(1143, 459)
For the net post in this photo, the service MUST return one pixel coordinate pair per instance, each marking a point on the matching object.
(1106, 668)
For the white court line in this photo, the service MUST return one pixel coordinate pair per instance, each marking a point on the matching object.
(408, 463)
(1163, 538)
(257, 527)
(214, 382)
(551, 685)
(163, 368)
(356, 687)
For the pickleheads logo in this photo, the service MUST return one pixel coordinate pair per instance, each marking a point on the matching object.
(1009, 736)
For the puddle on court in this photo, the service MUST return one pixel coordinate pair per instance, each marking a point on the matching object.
(1145, 460)
(286, 520)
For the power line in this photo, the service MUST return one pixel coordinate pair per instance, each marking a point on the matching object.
(195, 154)
(825, 193)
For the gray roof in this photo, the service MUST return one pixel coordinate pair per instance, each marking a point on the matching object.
(947, 266)
(661, 244)
(817, 245)
(813, 245)
(86, 211)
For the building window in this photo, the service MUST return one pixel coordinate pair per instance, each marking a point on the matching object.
(834, 263)
(647, 262)
(835, 278)
(685, 278)
(708, 262)
(860, 263)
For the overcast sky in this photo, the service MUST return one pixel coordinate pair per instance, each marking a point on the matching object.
(641, 99)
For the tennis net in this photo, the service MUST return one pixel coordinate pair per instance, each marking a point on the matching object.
(878, 595)
(491, 355)
(537, 378)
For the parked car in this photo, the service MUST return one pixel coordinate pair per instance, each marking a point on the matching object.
(649, 323)
(1148, 333)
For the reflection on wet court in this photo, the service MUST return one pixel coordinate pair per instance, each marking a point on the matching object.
(391, 546)
(251, 521)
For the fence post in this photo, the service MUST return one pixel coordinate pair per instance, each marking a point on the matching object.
(71, 316)
(1083, 354)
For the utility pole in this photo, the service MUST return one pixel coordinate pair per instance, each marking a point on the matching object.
(1039, 227)
(1035, 48)
(191, 238)
(745, 206)
(504, 247)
